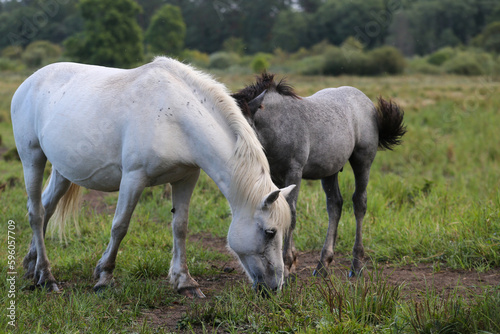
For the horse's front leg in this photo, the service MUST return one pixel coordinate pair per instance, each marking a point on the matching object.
(334, 204)
(179, 275)
(131, 187)
(289, 252)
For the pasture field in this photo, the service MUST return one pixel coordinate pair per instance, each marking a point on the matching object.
(433, 215)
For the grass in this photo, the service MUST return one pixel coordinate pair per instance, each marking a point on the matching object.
(434, 200)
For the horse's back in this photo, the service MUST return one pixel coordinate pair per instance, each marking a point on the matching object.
(353, 106)
(94, 122)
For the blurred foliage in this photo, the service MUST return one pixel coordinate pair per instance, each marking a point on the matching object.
(166, 31)
(223, 60)
(111, 36)
(261, 62)
(41, 53)
(331, 37)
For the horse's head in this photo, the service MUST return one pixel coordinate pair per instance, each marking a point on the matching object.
(257, 240)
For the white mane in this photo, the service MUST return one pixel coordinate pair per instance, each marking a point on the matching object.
(251, 173)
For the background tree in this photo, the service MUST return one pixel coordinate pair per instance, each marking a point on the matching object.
(166, 31)
(489, 39)
(336, 20)
(21, 23)
(111, 36)
(290, 32)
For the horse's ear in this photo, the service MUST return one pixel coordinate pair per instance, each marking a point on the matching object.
(286, 191)
(270, 199)
(273, 196)
(256, 103)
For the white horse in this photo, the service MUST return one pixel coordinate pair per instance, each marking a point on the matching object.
(113, 129)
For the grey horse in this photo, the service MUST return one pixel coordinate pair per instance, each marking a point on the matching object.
(313, 138)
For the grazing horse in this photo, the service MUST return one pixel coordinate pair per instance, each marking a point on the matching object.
(313, 138)
(114, 129)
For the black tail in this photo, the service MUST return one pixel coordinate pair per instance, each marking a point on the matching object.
(390, 124)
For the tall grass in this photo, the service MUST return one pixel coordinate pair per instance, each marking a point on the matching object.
(435, 200)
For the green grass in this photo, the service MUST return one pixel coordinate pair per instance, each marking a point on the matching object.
(434, 200)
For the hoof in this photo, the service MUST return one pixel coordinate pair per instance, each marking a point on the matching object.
(290, 279)
(47, 286)
(354, 273)
(191, 293)
(320, 271)
(101, 287)
(29, 265)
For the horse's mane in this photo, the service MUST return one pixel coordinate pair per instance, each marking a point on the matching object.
(251, 173)
(264, 82)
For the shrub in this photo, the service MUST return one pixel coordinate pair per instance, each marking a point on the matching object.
(195, 57)
(313, 65)
(222, 60)
(260, 62)
(387, 59)
(348, 61)
(12, 52)
(40, 53)
(420, 65)
(469, 63)
(441, 55)
(10, 65)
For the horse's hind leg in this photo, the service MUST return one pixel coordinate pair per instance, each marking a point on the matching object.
(334, 204)
(34, 164)
(180, 278)
(131, 187)
(57, 187)
(361, 168)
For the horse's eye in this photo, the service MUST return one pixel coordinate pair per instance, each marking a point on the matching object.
(270, 233)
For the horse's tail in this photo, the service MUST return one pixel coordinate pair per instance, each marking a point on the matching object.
(67, 208)
(390, 124)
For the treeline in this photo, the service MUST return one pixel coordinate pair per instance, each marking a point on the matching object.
(121, 32)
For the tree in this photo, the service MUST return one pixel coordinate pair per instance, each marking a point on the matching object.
(166, 31)
(23, 22)
(366, 20)
(290, 31)
(490, 38)
(111, 35)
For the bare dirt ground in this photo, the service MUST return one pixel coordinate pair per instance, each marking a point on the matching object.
(415, 279)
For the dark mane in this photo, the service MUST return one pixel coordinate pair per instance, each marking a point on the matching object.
(264, 82)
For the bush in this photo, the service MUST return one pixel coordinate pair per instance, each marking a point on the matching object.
(387, 59)
(313, 65)
(260, 62)
(420, 65)
(222, 60)
(469, 63)
(13, 52)
(348, 61)
(10, 65)
(195, 57)
(41, 53)
(489, 39)
(441, 56)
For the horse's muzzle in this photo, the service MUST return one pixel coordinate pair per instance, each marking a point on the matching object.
(263, 290)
